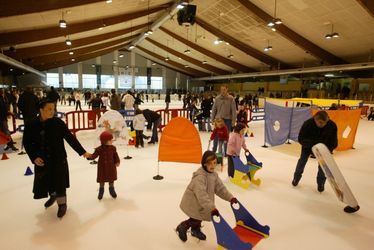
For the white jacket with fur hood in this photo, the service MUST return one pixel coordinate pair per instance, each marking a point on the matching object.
(198, 199)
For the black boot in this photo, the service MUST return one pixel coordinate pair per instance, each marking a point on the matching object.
(182, 232)
(50, 201)
(295, 181)
(101, 193)
(112, 192)
(61, 210)
(196, 232)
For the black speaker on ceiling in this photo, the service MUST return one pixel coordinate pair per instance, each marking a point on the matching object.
(186, 16)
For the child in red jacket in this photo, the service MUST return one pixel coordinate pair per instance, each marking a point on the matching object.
(220, 135)
(108, 161)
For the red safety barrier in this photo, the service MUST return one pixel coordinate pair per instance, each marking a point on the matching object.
(167, 115)
(12, 131)
(82, 120)
(364, 111)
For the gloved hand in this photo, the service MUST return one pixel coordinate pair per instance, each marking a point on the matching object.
(215, 212)
(233, 201)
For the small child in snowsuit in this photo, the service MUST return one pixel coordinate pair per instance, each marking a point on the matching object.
(108, 161)
(236, 142)
(139, 124)
(198, 199)
(220, 135)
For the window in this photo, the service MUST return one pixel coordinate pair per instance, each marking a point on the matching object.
(70, 80)
(156, 82)
(89, 81)
(52, 80)
(124, 78)
(140, 82)
(107, 82)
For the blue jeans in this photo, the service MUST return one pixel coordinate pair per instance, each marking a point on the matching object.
(228, 124)
(305, 153)
(155, 126)
(219, 143)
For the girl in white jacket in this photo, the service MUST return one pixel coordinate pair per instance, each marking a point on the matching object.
(198, 199)
(139, 123)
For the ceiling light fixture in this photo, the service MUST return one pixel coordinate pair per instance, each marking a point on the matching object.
(131, 47)
(275, 21)
(187, 51)
(204, 62)
(68, 42)
(218, 41)
(149, 31)
(332, 34)
(73, 60)
(167, 58)
(230, 56)
(71, 53)
(114, 61)
(153, 64)
(268, 48)
(62, 23)
(186, 66)
(11, 69)
(121, 55)
(108, 1)
(93, 65)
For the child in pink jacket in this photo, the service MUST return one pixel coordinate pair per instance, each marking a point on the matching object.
(236, 142)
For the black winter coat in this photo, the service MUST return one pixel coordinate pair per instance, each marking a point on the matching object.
(206, 107)
(150, 116)
(28, 103)
(310, 134)
(46, 140)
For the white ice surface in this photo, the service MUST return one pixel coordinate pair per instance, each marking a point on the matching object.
(146, 211)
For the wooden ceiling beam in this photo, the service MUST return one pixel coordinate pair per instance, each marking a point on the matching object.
(27, 7)
(191, 71)
(146, 56)
(368, 5)
(27, 36)
(275, 63)
(67, 61)
(79, 52)
(219, 58)
(189, 59)
(294, 37)
(30, 52)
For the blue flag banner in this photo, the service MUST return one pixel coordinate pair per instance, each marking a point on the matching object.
(277, 123)
(299, 116)
(283, 123)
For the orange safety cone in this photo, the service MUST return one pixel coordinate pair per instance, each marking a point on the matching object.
(5, 157)
(251, 135)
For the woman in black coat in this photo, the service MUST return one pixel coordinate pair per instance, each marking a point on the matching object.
(44, 144)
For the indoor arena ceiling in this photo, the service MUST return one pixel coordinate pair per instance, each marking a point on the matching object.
(30, 33)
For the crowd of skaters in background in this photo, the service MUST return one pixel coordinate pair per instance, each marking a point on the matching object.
(199, 104)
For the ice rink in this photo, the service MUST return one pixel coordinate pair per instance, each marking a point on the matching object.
(146, 211)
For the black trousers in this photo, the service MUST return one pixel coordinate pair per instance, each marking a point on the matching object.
(192, 223)
(305, 153)
(139, 138)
